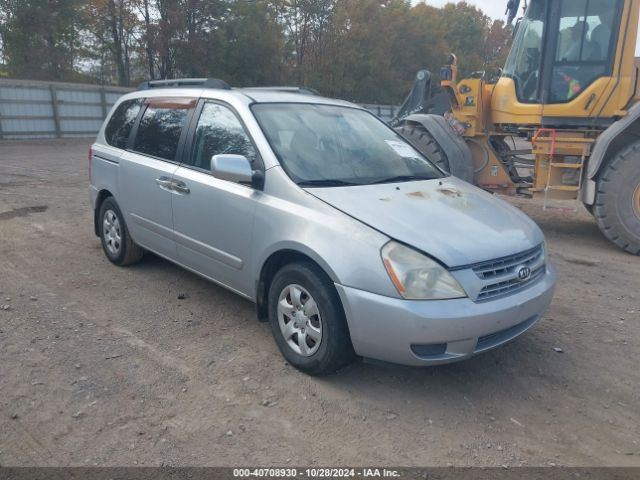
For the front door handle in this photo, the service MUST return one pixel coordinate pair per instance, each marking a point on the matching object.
(590, 101)
(180, 187)
(164, 183)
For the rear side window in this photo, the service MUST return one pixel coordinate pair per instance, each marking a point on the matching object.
(159, 131)
(121, 122)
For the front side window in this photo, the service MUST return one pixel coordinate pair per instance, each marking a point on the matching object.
(585, 48)
(119, 127)
(523, 63)
(219, 131)
(327, 145)
(159, 131)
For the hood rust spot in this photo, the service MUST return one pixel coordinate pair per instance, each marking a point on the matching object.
(421, 195)
(450, 192)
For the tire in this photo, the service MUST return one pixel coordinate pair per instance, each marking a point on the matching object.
(426, 142)
(323, 333)
(117, 244)
(421, 139)
(617, 206)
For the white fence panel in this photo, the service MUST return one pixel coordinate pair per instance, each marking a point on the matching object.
(32, 109)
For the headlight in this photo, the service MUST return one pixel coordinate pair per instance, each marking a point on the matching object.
(417, 277)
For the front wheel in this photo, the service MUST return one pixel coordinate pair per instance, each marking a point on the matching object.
(617, 206)
(307, 320)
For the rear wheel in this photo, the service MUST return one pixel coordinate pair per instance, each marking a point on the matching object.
(307, 320)
(617, 206)
(117, 244)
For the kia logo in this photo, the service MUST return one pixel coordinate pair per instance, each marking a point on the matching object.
(524, 273)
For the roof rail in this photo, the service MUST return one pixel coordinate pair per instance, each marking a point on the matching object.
(303, 90)
(185, 82)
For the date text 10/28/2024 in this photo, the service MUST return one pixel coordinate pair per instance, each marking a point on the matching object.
(315, 473)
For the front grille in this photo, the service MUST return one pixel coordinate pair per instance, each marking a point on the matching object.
(502, 276)
(510, 286)
(507, 265)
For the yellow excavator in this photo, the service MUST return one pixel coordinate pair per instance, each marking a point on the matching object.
(570, 87)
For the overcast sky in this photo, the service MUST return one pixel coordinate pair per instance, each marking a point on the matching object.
(493, 8)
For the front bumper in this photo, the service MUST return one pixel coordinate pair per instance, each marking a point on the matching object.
(442, 331)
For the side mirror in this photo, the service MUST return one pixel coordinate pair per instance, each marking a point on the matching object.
(235, 168)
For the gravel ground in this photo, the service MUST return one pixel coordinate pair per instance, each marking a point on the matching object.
(102, 365)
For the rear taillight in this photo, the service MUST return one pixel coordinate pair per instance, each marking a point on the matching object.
(90, 158)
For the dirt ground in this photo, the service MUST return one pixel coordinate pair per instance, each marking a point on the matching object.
(102, 365)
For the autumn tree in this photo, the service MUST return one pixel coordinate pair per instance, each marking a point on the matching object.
(40, 37)
(358, 60)
(496, 45)
(148, 36)
(198, 39)
(113, 25)
(377, 47)
(362, 50)
(251, 45)
(465, 29)
(306, 23)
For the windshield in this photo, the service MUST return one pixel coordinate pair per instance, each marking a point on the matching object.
(328, 145)
(523, 63)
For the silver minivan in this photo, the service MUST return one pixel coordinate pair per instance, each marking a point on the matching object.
(348, 240)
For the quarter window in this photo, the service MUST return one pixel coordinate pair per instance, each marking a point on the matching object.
(159, 131)
(219, 131)
(121, 122)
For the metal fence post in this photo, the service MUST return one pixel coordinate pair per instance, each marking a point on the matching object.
(103, 102)
(1, 134)
(54, 105)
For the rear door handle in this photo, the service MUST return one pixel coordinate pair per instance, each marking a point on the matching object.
(180, 187)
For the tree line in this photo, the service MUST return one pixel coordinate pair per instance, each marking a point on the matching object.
(360, 50)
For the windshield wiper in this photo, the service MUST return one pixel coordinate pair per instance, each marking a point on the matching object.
(326, 182)
(404, 178)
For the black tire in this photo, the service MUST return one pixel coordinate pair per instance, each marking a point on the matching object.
(128, 251)
(420, 138)
(335, 350)
(459, 163)
(617, 206)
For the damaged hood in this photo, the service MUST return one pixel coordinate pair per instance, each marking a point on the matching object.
(449, 219)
